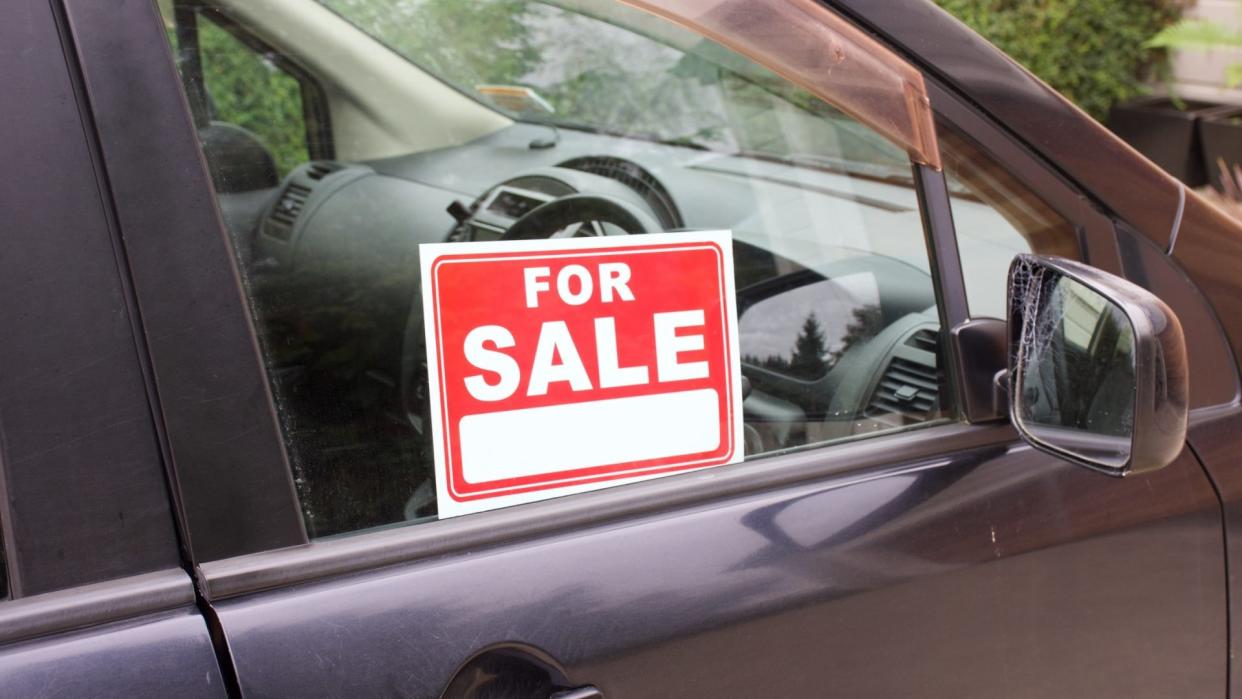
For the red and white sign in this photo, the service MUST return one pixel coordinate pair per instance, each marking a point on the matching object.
(560, 366)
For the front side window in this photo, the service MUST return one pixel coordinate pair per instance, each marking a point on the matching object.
(487, 110)
(996, 218)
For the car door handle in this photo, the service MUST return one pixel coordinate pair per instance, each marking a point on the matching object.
(587, 692)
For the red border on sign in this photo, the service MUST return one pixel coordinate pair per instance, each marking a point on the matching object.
(463, 491)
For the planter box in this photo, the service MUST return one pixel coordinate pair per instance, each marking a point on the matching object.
(1220, 137)
(1167, 135)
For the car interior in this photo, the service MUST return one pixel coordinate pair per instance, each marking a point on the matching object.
(430, 121)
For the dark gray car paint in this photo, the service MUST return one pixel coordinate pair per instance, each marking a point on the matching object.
(983, 573)
(139, 636)
(1146, 202)
(981, 570)
(233, 483)
(168, 654)
(84, 496)
(85, 493)
(950, 570)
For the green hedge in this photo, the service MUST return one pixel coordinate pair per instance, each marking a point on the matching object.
(1090, 50)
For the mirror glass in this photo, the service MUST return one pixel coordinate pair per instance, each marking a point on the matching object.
(1076, 382)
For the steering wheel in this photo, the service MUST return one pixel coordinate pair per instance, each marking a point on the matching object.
(551, 219)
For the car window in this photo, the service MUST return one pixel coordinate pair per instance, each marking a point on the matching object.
(245, 89)
(996, 217)
(677, 88)
(249, 110)
(519, 104)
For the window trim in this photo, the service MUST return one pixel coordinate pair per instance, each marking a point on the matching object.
(93, 604)
(841, 463)
(228, 468)
(935, 210)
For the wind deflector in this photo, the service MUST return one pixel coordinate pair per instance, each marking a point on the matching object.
(810, 45)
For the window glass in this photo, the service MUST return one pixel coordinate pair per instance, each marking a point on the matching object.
(670, 85)
(247, 90)
(838, 327)
(249, 112)
(996, 217)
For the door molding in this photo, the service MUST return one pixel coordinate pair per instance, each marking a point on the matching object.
(844, 463)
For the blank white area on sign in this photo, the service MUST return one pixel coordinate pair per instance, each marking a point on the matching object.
(532, 441)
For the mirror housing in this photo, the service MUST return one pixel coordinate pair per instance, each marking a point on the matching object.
(1097, 367)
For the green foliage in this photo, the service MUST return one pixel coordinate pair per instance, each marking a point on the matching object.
(1198, 34)
(1095, 52)
(602, 75)
(249, 91)
(477, 41)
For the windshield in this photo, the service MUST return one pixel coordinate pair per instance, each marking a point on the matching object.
(601, 66)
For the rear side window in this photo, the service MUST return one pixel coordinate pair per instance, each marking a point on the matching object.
(515, 105)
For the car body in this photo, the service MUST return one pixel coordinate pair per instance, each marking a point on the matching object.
(202, 477)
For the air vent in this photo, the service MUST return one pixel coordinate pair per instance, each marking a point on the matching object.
(926, 340)
(321, 169)
(286, 211)
(636, 178)
(909, 390)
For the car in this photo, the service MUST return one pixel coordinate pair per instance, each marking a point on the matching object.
(983, 357)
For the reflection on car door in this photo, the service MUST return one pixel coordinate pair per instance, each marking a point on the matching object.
(961, 563)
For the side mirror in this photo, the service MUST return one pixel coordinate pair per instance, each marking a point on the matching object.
(1097, 367)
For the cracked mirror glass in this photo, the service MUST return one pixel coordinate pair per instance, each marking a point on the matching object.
(1076, 383)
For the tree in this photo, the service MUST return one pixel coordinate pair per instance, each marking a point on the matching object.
(809, 360)
(1095, 52)
(867, 324)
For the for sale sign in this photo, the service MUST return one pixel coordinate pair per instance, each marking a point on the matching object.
(565, 365)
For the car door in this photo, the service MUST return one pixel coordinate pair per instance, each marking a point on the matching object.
(94, 597)
(931, 552)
